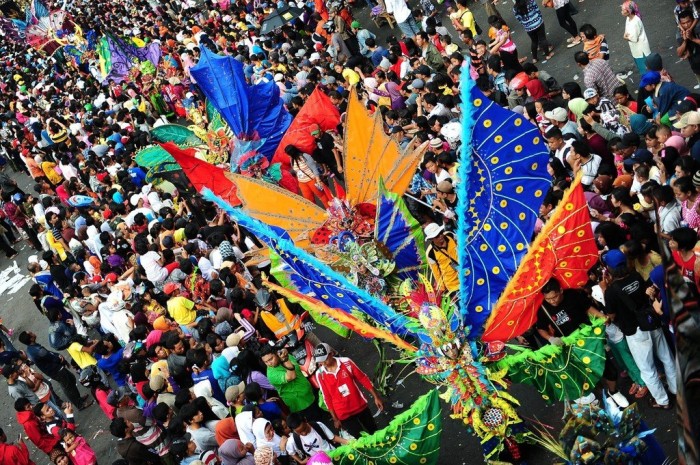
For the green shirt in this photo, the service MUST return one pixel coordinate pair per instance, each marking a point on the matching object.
(297, 393)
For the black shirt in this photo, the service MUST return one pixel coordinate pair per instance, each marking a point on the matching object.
(620, 297)
(571, 313)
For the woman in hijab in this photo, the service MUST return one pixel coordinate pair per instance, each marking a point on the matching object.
(234, 452)
(244, 423)
(536, 90)
(576, 106)
(265, 436)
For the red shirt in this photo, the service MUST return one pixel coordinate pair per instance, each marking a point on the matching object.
(340, 390)
(687, 267)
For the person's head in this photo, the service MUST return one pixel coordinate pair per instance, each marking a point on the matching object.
(622, 95)
(270, 357)
(27, 337)
(555, 139)
(688, 124)
(22, 404)
(552, 292)
(664, 195)
(68, 436)
(685, 238)
(581, 59)
(683, 188)
(685, 19)
(587, 32)
(299, 424)
(59, 457)
(191, 415)
(571, 90)
(580, 150)
(43, 411)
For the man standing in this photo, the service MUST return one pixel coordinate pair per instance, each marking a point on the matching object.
(17, 388)
(55, 367)
(402, 15)
(13, 454)
(442, 256)
(690, 43)
(33, 428)
(429, 53)
(285, 375)
(597, 74)
(338, 378)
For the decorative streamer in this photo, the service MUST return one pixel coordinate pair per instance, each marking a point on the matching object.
(330, 287)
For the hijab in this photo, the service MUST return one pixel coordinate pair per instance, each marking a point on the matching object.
(639, 124)
(536, 89)
(244, 425)
(577, 106)
(259, 426)
(230, 453)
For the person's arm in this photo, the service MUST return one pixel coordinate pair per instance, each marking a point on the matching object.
(597, 313)
(291, 370)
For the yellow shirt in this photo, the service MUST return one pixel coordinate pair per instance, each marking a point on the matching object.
(443, 263)
(351, 76)
(82, 359)
(182, 310)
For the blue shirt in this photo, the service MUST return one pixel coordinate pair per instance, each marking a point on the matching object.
(138, 177)
(111, 365)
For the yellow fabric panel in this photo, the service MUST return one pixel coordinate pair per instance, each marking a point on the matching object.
(369, 154)
(279, 207)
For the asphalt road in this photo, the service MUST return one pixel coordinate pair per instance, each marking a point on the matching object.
(459, 447)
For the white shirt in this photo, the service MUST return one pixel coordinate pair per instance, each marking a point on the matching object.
(637, 37)
(154, 271)
(312, 442)
(399, 9)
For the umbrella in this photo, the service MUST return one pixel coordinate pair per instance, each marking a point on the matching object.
(279, 18)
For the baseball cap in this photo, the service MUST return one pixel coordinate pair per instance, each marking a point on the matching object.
(558, 114)
(589, 93)
(603, 183)
(157, 383)
(624, 180)
(245, 313)
(322, 352)
(8, 369)
(234, 391)
(170, 288)
(650, 78)
(417, 84)
(642, 156)
(315, 129)
(355, 25)
(691, 117)
(432, 230)
(614, 258)
(111, 278)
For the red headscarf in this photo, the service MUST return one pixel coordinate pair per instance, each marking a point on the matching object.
(536, 89)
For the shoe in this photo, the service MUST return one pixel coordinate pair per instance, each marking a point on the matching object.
(10, 332)
(653, 404)
(620, 400)
(696, 86)
(573, 43)
(86, 404)
(585, 400)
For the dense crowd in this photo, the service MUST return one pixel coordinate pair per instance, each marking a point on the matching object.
(155, 302)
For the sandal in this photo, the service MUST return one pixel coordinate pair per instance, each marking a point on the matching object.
(534, 61)
(643, 391)
(549, 57)
(634, 389)
(574, 42)
(653, 404)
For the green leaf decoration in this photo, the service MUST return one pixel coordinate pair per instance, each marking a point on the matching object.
(175, 133)
(412, 438)
(562, 373)
(152, 156)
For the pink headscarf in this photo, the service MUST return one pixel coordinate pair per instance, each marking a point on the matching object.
(632, 7)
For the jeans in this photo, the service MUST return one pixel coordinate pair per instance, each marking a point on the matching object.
(642, 345)
(409, 27)
(566, 20)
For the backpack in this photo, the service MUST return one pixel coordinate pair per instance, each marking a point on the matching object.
(320, 431)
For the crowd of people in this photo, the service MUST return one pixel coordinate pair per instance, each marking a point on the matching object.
(160, 311)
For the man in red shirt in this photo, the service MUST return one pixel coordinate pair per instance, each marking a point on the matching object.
(16, 454)
(338, 378)
(36, 432)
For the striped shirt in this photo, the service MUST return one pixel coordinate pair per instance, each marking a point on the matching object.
(532, 19)
(599, 75)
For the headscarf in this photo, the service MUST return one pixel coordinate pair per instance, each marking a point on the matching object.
(639, 124)
(632, 7)
(223, 314)
(259, 426)
(244, 425)
(577, 106)
(536, 89)
(225, 430)
(264, 456)
(230, 453)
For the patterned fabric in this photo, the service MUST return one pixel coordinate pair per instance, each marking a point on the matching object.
(599, 75)
(532, 19)
(565, 248)
(504, 171)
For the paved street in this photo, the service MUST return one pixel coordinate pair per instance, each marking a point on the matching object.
(459, 447)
